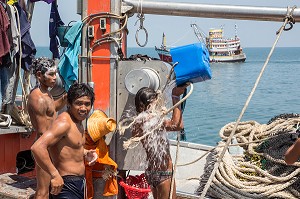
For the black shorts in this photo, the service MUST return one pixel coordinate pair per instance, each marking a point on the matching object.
(154, 178)
(74, 188)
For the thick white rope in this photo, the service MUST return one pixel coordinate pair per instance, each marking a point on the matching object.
(241, 114)
(238, 178)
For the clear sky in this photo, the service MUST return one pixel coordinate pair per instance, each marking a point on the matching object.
(177, 29)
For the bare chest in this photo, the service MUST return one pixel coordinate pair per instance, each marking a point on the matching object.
(75, 137)
(49, 107)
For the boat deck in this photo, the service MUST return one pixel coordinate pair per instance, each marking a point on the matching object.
(187, 177)
(15, 186)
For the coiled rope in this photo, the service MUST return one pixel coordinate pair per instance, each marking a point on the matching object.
(261, 171)
(217, 164)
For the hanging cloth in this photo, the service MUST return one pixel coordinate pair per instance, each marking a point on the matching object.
(4, 41)
(68, 65)
(28, 47)
(54, 22)
(13, 30)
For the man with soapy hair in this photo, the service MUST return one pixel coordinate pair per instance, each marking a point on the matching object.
(42, 110)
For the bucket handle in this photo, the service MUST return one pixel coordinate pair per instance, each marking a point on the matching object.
(67, 29)
(68, 26)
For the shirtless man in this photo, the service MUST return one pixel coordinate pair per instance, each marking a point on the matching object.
(160, 168)
(59, 151)
(42, 111)
(292, 155)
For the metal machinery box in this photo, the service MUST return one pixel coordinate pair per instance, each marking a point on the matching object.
(131, 76)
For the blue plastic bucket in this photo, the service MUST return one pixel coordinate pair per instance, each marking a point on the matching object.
(61, 32)
(193, 63)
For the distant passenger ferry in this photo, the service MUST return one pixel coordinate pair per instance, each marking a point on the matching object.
(221, 49)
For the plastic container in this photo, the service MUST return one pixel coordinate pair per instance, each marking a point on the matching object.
(136, 187)
(193, 63)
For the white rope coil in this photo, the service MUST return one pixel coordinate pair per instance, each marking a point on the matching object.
(246, 176)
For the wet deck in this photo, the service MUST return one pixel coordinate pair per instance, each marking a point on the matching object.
(187, 177)
(15, 186)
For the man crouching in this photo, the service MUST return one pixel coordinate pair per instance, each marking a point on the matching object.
(59, 151)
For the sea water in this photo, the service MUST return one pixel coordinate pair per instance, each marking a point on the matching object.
(219, 101)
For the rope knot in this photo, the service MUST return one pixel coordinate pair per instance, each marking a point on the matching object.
(291, 21)
(288, 19)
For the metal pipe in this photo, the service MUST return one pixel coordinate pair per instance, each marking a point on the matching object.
(211, 11)
(85, 70)
(114, 26)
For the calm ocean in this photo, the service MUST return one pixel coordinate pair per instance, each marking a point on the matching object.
(219, 101)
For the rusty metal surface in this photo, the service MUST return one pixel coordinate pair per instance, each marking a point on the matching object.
(15, 186)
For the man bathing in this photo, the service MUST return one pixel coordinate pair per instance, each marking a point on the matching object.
(160, 168)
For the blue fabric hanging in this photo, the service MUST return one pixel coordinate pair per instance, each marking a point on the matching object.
(68, 65)
(54, 22)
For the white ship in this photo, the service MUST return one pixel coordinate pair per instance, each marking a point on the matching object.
(221, 49)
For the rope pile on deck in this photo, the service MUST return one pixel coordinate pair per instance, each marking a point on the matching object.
(260, 170)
